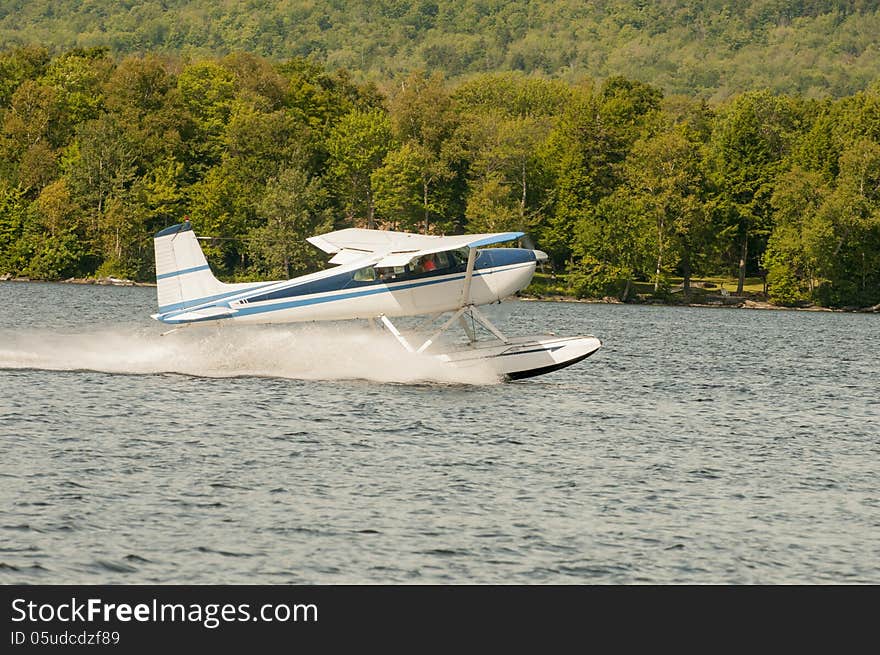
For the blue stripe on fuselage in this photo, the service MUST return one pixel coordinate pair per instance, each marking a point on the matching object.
(489, 258)
(493, 258)
(370, 291)
(198, 302)
(247, 311)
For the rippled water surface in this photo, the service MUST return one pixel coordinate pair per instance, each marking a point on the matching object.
(698, 446)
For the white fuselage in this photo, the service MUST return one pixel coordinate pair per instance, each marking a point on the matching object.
(405, 298)
(324, 297)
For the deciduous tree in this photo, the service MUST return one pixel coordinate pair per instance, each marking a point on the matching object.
(357, 145)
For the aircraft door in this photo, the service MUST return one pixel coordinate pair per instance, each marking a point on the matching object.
(399, 301)
(438, 288)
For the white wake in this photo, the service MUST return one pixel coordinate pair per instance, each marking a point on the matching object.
(328, 352)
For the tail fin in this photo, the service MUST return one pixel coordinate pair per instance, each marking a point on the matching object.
(183, 277)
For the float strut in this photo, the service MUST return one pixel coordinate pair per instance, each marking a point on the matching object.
(397, 335)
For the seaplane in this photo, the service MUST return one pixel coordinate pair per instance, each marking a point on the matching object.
(378, 275)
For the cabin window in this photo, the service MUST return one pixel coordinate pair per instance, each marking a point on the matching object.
(437, 261)
(367, 274)
(390, 272)
(460, 256)
(433, 263)
(429, 263)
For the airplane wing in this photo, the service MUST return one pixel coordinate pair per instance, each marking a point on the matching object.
(398, 248)
(369, 240)
(403, 257)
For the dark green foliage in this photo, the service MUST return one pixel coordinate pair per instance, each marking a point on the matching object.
(591, 278)
(13, 210)
(292, 206)
(623, 187)
(18, 65)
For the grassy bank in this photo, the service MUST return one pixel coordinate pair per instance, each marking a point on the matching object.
(704, 290)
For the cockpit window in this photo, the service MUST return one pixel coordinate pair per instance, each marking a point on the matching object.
(367, 274)
(442, 260)
(390, 272)
(460, 256)
(437, 261)
(433, 263)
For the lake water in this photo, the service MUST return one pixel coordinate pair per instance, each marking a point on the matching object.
(698, 446)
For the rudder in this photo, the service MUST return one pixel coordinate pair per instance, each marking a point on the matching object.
(183, 277)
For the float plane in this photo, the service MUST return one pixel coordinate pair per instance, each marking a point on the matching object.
(378, 275)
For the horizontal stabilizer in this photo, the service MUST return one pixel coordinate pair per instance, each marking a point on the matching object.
(206, 314)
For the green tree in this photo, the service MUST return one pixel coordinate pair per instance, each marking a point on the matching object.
(612, 245)
(161, 194)
(489, 207)
(100, 163)
(13, 209)
(710, 50)
(513, 94)
(664, 170)
(749, 145)
(54, 234)
(77, 77)
(27, 121)
(222, 206)
(38, 166)
(319, 99)
(849, 254)
(505, 123)
(294, 207)
(257, 77)
(142, 94)
(505, 155)
(19, 64)
(207, 91)
(125, 247)
(357, 145)
(790, 264)
(423, 117)
(398, 188)
(261, 143)
(587, 149)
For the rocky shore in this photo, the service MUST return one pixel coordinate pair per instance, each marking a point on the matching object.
(104, 281)
(704, 301)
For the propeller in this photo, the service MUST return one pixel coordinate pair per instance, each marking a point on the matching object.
(527, 242)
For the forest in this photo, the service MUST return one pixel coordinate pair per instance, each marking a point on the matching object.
(618, 180)
(711, 50)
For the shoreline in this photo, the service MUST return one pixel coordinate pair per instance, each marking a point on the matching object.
(100, 281)
(724, 302)
(729, 302)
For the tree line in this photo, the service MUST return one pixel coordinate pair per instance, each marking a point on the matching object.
(615, 180)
